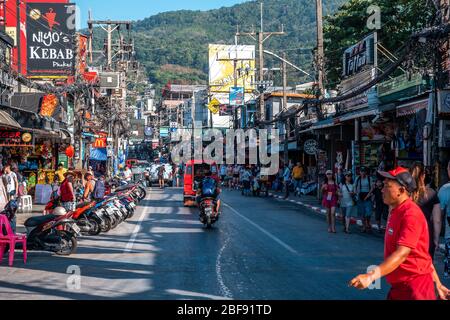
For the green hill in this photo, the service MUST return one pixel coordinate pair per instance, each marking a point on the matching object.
(173, 46)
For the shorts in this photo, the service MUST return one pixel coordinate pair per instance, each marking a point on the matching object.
(328, 204)
(365, 209)
(349, 212)
(235, 175)
(222, 177)
(419, 288)
(246, 184)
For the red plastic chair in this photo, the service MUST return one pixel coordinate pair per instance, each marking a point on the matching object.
(11, 239)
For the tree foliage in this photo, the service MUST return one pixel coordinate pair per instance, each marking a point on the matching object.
(347, 26)
(182, 37)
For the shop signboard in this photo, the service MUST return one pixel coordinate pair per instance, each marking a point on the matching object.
(401, 87)
(359, 56)
(444, 134)
(50, 30)
(15, 138)
(236, 96)
(310, 147)
(164, 132)
(444, 102)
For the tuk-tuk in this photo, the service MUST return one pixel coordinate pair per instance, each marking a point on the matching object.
(193, 175)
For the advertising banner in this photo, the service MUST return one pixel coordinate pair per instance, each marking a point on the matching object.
(50, 40)
(222, 59)
(237, 96)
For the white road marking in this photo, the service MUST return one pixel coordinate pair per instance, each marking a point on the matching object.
(223, 288)
(136, 231)
(267, 233)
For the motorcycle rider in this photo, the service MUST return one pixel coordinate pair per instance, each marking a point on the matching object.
(209, 188)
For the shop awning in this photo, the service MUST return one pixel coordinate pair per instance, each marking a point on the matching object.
(411, 108)
(357, 114)
(320, 125)
(99, 154)
(7, 121)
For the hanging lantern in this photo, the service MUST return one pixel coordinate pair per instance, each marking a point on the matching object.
(70, 151)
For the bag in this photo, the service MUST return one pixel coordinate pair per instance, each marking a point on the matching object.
(354, 196)
(363, 195)
(99, 190)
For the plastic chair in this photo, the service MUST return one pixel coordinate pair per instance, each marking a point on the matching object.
(11, 239)
(25, 203)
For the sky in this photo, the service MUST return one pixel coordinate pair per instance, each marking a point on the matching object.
(140, 9)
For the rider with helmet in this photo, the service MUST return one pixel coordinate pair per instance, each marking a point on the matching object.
(209, 188)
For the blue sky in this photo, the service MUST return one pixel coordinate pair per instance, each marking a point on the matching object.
(139, 9)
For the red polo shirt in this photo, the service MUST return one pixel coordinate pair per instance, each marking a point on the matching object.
(407, 227)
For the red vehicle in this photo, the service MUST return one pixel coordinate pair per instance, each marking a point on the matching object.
(193, 174)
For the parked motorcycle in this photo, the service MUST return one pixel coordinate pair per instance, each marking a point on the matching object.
(54, 232)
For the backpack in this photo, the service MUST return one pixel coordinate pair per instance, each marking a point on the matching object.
(99, 190)
(209, 187)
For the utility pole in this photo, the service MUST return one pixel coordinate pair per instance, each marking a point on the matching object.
(117, 104)
(320, 50)
(261, 36)
(285, 107)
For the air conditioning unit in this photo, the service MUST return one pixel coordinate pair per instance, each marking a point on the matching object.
(109, 80)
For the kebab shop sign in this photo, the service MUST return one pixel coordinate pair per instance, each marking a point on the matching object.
(13, 138)
(51, 39)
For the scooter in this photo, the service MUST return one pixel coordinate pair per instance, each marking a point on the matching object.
(208, 214)
(54, 232)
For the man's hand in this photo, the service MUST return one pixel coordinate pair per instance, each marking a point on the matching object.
(443, 292)
(363, 281)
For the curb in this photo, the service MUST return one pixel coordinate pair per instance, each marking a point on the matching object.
(319, 210)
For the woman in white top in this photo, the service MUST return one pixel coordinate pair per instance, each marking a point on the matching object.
(348, 205)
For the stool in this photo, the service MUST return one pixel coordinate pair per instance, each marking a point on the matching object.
(25, 204)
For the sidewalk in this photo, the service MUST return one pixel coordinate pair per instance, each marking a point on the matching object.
(311, 202)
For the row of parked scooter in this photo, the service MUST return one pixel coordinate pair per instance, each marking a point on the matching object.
(58, 230)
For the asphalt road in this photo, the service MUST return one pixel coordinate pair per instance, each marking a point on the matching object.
(260, 249)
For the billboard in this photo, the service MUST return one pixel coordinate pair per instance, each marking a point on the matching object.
(222, 60)
(51, 40)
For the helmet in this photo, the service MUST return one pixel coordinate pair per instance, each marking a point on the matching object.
(59, 211)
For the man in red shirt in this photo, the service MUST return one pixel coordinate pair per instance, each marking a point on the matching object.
(407, 265)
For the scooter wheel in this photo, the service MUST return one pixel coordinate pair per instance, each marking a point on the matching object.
(70, 243)
(106, 225)
(95, 230)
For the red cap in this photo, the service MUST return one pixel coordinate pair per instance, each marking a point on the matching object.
(402, 176)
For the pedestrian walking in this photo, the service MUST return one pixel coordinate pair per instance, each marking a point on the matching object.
(161, 172)
(236, 173)
(330, 191)
(428, 201)
(381, 209)
(287, 180)
(364, 187)
(407, 263)
(66, 190)
(99, 190)
(89, 187)
(246, 178)
(347, 200)
(444, 199)
(297, 174)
